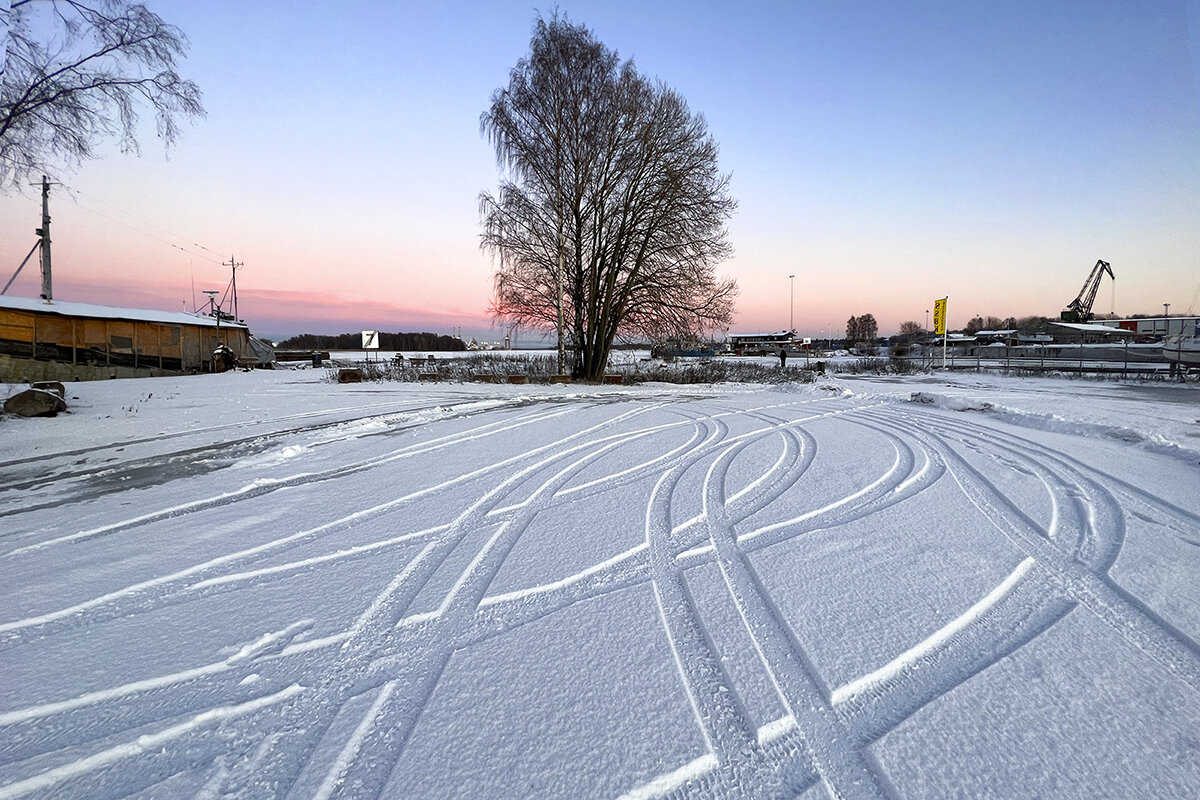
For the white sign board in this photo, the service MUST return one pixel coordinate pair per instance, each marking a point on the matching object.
(370, 340)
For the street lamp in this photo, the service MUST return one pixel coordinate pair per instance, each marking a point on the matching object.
(792, 303)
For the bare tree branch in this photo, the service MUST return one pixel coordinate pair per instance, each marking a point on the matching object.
(76, 73)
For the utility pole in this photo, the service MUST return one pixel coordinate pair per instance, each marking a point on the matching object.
(44, 233)
(233, 265)
(792, 303)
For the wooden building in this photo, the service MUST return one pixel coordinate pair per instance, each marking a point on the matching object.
(57, 340)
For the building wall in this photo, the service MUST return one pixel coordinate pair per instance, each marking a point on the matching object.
(1157, 326)
(89, 346)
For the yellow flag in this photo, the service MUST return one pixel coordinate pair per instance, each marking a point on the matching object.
(939, 317)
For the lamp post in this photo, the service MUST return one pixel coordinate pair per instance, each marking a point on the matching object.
(792, 303)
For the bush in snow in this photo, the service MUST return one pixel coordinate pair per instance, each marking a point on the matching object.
(540, 369)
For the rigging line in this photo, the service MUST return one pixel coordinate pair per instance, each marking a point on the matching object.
(134, 217)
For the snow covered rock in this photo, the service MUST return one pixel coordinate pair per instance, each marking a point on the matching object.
(51, 386)
(35, 403)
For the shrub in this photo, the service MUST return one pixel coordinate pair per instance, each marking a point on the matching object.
(540, 368)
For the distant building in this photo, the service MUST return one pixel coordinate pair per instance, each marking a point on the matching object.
(748, 344)
(1156, 327)
(56, 340)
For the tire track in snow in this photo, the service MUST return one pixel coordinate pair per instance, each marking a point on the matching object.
(721, 717)
(1166, 514)
(874, 704)
(493, 629)
(306, 723)
(903, 480)
(1028, 604)
(1015, 613)
(181, 690)
(194, 432)
(783, 760)
(187, 692)
(159, 755)
(1142, 627)
(145, 594)
(365, 764)
(261, 487)
(149, 592)
(847, 771)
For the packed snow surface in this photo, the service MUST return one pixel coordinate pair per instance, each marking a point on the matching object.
(269, 585)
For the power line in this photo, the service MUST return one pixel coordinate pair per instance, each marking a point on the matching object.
(140, 225)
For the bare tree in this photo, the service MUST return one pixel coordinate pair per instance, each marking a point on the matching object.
(869, 328)
(910, 330)
(863, 329)
(75, 73)
(610, 198)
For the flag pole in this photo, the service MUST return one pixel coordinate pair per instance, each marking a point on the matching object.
(939, 324)
(945, 328)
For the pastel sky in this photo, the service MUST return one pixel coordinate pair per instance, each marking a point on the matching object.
(883, 153)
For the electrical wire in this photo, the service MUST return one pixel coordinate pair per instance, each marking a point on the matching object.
(143, 225)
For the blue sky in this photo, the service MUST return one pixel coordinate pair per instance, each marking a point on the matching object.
(883, 153)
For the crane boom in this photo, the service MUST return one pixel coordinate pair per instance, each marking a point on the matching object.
(1080, 309)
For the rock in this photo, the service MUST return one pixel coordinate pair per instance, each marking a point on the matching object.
(35, 403)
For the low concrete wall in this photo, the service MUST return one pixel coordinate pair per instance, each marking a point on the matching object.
(26, 370)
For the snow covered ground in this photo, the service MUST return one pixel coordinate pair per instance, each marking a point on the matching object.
(266, 585)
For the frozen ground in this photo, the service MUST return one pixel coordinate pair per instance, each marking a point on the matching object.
(263, 585)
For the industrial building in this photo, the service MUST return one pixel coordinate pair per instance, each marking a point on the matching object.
(57, 340)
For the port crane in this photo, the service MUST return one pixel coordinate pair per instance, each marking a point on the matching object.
(1080, 309)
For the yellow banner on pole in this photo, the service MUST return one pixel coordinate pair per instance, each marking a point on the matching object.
(939, 317)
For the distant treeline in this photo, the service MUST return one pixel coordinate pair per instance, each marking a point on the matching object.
(387, 341)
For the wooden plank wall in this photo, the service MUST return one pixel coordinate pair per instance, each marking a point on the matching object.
(86, 340)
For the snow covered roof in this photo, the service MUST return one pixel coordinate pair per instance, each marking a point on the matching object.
(1092, 327)
(996, 333)
(69, 309)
